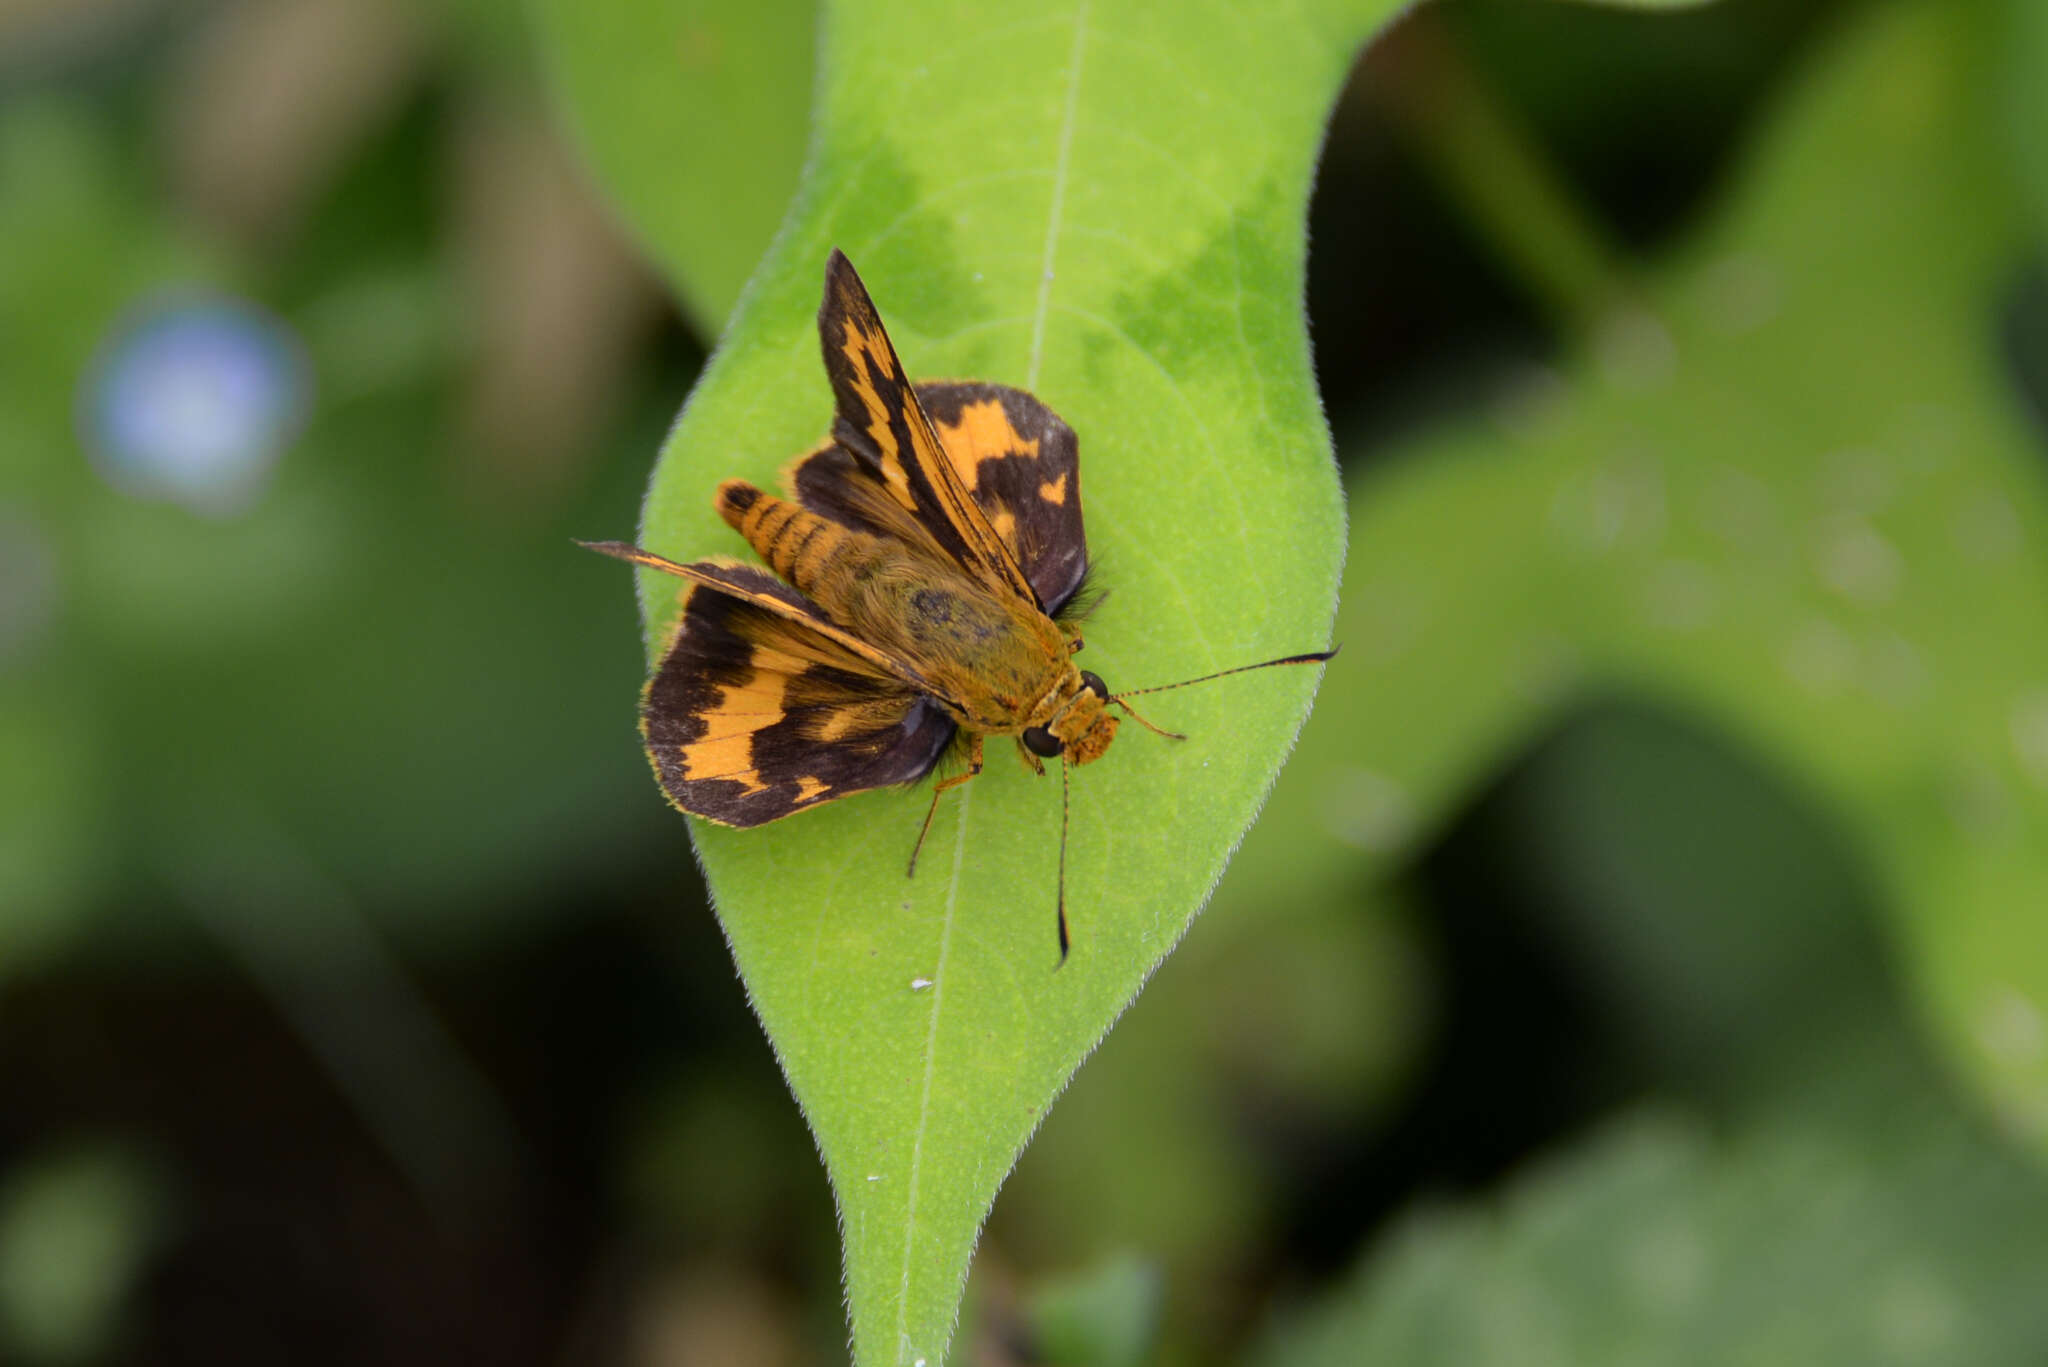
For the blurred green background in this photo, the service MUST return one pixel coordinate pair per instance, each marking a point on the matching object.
(1591, 992)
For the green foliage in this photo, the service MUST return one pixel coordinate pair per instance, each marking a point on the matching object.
(1907, 1241)
(1129, 249)
(1106, 1318)
(693, 114)
(199, 682)
(80, 245)
(1730, 979)
(75, 1228)
(2021, 39)
(1791, 491)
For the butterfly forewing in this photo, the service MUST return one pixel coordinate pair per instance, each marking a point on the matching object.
(881, 423)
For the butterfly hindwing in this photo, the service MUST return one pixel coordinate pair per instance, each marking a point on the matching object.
(752, 715)
(1016, 458)
(1022, 464)
(881, 425)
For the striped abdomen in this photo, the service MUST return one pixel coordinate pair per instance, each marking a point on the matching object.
(797, 543)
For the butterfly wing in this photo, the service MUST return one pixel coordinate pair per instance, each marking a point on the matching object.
(764, 591)
(754, 714)
(1023, 466)
(882, 427)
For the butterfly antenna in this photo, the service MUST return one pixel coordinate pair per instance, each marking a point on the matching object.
(1063, 868)
(1313, 657)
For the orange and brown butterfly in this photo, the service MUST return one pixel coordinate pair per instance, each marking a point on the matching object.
(927, 590)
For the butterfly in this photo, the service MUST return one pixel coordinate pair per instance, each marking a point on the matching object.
(927, 588)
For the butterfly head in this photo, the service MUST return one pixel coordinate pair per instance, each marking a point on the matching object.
(1079, 727)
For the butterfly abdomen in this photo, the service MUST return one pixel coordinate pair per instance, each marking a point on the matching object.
(798, 544)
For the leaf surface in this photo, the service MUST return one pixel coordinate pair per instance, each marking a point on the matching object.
(1101, 203)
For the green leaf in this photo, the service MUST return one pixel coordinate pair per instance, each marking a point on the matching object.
(1718, 917)
(154, 686)
(1107, 1317)
(692, 113)
(1900, 1239)
(77, 1226)
(1648, 4)
(2022, 44)
(1309, 1014)
(1796, 494)
(1104, 205)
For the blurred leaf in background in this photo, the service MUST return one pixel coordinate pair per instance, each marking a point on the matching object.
(1656, 1243)
(1775, 499)
(1791, 491)
(694, 114)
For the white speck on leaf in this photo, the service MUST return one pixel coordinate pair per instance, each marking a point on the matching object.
(920, 984)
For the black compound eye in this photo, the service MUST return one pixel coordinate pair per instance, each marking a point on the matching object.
(1094, 684)
(1041, 742)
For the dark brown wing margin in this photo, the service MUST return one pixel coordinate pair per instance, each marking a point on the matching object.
(752, 715)
(1022, 465)
(880, 422)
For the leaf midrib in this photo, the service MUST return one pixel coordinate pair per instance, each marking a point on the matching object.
(1059, 194)
(1054, 209)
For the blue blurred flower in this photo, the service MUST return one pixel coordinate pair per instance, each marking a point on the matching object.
(193, 400)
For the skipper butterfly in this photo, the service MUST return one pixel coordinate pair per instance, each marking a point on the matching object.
(928, 565)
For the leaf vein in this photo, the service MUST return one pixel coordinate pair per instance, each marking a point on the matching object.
(1059, 193)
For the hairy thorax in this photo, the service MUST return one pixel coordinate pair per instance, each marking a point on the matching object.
(996, 661)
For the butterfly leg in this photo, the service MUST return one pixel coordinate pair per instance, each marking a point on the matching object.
(973, 768)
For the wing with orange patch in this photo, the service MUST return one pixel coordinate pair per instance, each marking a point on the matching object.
(753, 715)
(1018, 461)
(881, 425)
(1023, 467)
